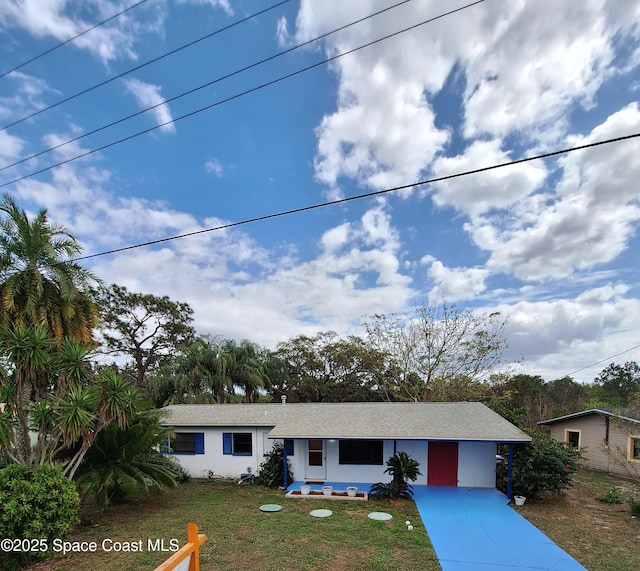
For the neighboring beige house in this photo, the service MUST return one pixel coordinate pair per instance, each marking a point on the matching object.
(610, 438)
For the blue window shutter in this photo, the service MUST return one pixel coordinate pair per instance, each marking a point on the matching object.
(288, 447)
(165, 447)
(227, 443)
(199, 442)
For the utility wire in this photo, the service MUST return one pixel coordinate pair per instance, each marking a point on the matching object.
(601, 361)
(136, 68)
(233, 97)
(365, 195)
(203, 86)
(34, 58)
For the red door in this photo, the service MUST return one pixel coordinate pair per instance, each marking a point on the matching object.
(442, 464)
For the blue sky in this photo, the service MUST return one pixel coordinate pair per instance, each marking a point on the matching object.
(551, 244)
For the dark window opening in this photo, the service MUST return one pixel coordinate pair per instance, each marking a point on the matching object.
(360, 452)
(242, 443)
(315, 453)
(187, 443)
(635, 448)
(237, 443)
(573, 438)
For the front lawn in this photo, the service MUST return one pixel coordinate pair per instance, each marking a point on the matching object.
(242, 537)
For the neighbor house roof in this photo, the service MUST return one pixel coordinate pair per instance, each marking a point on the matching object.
(380, 420)
(623, 414)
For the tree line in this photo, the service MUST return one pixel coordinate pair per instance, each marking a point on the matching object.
(78, 356)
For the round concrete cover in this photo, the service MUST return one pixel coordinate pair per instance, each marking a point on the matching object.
(270, 508)
(320, 513)
(380, 516)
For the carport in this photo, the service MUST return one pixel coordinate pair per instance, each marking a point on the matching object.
(474, 529)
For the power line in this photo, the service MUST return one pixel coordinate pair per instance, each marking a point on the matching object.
(601, 361)
(233, 97)
(70, 40)
(200, 87)
(136, 68)
(365, 195)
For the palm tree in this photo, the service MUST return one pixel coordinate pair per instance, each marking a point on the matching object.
(198, 374)
(245, 369)
(39, 286)
(124, 458)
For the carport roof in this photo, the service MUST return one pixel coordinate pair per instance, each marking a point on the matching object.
(458, 421)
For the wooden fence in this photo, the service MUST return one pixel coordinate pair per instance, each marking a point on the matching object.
(187, 558)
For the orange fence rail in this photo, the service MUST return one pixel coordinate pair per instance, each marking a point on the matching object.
(187, 558)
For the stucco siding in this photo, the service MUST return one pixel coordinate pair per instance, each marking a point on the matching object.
(417, 449)
(477, 464)
(356, 472)
(214, 460)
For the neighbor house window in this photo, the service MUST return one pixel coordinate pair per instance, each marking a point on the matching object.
(572, 437)
(360, 452)
(634, 448)
(187, 443)
(237, 443)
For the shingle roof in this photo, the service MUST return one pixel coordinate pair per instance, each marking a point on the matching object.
(435, 421)
(630, 415)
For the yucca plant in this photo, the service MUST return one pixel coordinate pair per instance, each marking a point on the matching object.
(402, 468)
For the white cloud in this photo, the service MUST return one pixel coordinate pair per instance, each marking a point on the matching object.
(455, 284)
(479, 193)
(213, 165)
(558, 336)
(148, 95)
(525, 64)
(282, 32)
(224, 5)
(57, 19)
(10, 147)
(586, 221)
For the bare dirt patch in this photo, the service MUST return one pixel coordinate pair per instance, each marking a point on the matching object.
(603, 537)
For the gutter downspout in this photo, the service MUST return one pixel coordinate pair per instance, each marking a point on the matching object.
(510, 473)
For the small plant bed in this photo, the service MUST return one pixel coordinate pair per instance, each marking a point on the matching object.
(336, 495)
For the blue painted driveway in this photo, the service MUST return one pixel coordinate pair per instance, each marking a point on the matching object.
(474, 529)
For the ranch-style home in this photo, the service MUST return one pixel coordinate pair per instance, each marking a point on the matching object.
(455, 443)
(610, 438)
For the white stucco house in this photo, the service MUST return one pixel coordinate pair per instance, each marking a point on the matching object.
(455, 443)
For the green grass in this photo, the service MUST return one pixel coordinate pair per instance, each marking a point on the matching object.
(242, 537)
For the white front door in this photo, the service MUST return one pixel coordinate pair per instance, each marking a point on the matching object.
(316, 465)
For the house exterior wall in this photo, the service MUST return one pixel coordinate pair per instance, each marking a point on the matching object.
(356, 472)
(477, 464)
(226, 465)
(476, 460)
(592, 430)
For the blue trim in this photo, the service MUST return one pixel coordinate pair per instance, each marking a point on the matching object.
(288, 447)
(227, 443)
(199, 442)
(284, 464)
(510, 473)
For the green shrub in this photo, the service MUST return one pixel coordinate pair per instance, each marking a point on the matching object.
(401, 467)
(544, 466)
(37, 503)
(611, 496)
(271, 473)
